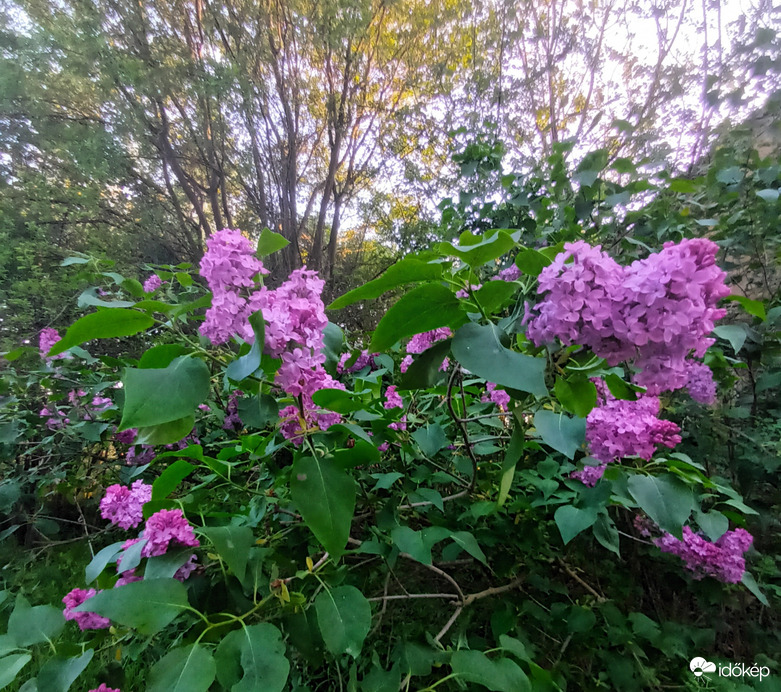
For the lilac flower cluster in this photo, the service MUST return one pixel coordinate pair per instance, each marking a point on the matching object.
(123, 506)
(700, 383)
(152, 283)
(228, 266)
(48, 337)
(138, 455)
(393, 398)
(364, 358)
(103, 688)
(165, 527)
(85, 620)
(498, 396)
(589, 475)
(722, 560)
(126, 437)
(422, 342)
(55, 419)
(464, 293)
(656, 312)
(232, 420)
(511, 273)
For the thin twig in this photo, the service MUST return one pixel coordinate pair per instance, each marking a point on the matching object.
(580, 581)
(461, 426)
(449, 624)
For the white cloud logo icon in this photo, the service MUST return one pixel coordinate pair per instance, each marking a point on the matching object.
(698, 666)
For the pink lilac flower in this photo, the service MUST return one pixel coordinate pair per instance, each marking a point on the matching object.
(405, 363)
(152, 283)
(187, 568)
(127, 577)
(232, 420)
(138, 455)
(656, 312)
(314, 417)
(511, 273)
(85, 620)
(620, 428)
(424, 341)
(700, 383)
(392, 398)
(56, 418)
(123, 506)
(228, 315)
(229, 261)
(364, 358)
(46, 340)
(589, 475)
(401, 424)
(464, 293)
(104, 688)
(165, 527)
(498, 396)
(383, 447)
(126, 437)
(722, 560)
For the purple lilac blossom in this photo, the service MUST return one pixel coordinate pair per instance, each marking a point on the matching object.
(46, 340)
(152, 283)
(232, 420)
(187, 568)
(123, 506)
(55, 419)
(364, 358)
(392, 398)
(511, 273)
(498, 396)
(383, 447)
(85, 620)
(655, 312)
(700, 383)
(405, 363)
(127, 577)
(103, 688)
(620, 428)
(400, 425)
(722, 560)
(229, 261)
(589, 475)
(126, 437)
(165, 527)
(138, 455)
(464, 293)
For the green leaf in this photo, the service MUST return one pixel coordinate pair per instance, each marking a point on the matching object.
(386, 480)
(147, 606)
(165, 433)
(501, 675)
(752, 307)
(162, 395)
(90, 297)
(606, 533)
(682, 185)
(344, 617)
(581, 619)
(430, 438)
(184, 279)
(571, 521)
(379, 680)
(101, 559)
(325, 497)
(730, 176)
(489, 246)
(68, 261)
(424, 308)
(333, 340)
(169, 479)
(564, 434)
(270, 242)
(247, 364)
(666, 499)
(337, 400)
(10, 667)
(769, 195)
(258, 411)
(751, 584)
(469, 543)
(253, 658)
(409, 270)
(58, 674)
(425, 370)
(166, 565)
(187, 669)
(512, 456)
(620, 389)
(495, 294)
(531, 261)
(713, 523)
(29, 626)
(478, 348)
(233, 544)
(734, 333)
(577, 394)
(103, 325)
(161, 356)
